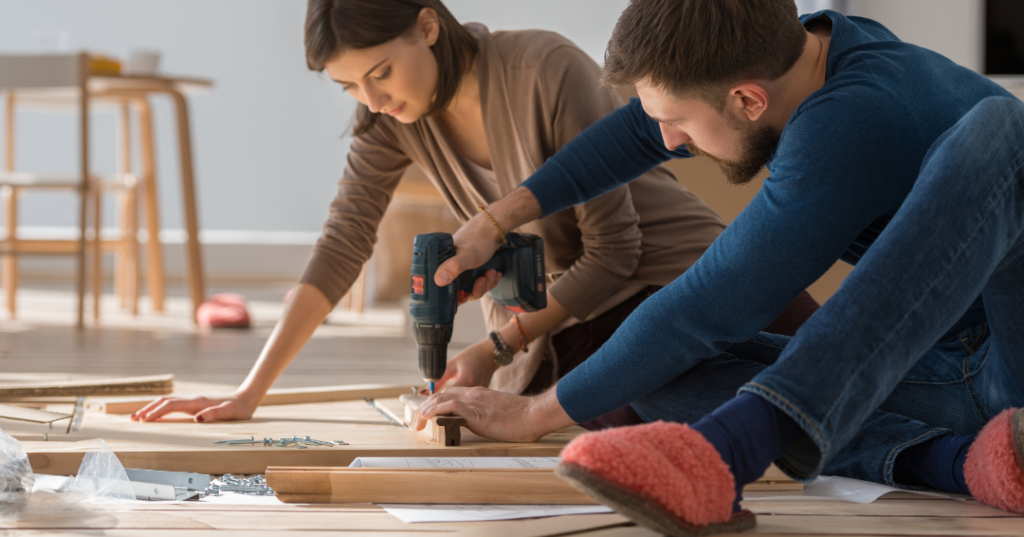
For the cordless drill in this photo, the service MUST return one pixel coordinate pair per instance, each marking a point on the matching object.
(521, 288)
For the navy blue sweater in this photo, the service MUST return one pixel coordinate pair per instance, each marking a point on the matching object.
(847, 158)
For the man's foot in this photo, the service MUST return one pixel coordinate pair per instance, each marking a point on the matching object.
(995, 463)
(663, 476)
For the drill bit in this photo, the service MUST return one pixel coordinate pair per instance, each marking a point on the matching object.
(431, 387)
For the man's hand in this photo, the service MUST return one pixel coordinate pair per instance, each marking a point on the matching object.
(474, 366)
(481, 286)
(497, 415)
(205, 409)
(475, 244)
(478, 239)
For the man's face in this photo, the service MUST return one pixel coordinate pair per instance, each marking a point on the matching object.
(739, 146)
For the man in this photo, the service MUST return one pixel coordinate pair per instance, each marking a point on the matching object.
(882, 154)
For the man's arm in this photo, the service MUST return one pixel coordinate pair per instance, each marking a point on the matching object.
(612, 152)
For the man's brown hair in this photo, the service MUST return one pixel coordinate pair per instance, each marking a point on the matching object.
(333, 26)
(699, 48)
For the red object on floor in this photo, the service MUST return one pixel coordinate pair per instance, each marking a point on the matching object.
(224, 310)
(994, 469)
(665, 476)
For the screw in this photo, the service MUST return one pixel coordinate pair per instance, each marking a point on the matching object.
(251, 440)
(341, 442)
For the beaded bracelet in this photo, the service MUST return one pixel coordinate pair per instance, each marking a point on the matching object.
(524, 336)
(493, 221)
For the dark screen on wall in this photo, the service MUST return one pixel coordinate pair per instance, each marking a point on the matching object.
(1004, 37)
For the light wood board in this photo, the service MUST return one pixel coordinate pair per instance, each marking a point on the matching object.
(284, 396)
(179, 444)
(32, 415)
(886, 517)
(423, 485)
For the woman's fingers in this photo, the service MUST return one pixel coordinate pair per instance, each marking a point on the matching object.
(164, 408)
(228, 410)
(150, 406)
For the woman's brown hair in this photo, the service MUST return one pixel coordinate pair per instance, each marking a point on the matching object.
(333, 26)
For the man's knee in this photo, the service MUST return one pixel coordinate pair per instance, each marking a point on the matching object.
(998, 109)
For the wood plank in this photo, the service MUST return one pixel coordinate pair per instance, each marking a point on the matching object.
(150, 385)
(785, 524)
(284, 396)
(179, 444)
(884, 507)
(423, 485)
(304, 519)
(30, 414)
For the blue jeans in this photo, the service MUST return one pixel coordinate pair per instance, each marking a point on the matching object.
(954, 388)
(956, 237)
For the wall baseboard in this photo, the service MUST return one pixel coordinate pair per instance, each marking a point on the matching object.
(227, 254)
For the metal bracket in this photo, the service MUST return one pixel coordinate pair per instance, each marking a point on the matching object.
(75, 424)
(183, 480)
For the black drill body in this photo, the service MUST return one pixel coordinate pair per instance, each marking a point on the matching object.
(522, 288)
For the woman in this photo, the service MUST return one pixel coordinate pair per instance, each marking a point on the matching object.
(478, 112)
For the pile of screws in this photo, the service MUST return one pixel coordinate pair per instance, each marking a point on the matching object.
(255, 485)
(300, 443)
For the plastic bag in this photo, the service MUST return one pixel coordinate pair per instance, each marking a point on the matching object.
(101, 477)
(101, 481)
(15, 474)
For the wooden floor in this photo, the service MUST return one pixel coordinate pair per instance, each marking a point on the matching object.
(353, 349)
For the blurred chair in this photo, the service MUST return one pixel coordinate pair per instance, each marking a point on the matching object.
(46, 79)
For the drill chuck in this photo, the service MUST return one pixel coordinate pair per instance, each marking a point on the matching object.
(433, 340)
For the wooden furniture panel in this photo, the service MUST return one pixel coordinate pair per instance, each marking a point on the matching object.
(179, 444)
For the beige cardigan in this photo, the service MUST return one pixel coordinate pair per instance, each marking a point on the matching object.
(537, 91)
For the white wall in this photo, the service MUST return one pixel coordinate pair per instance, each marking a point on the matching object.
(953, 28)
(269, 140)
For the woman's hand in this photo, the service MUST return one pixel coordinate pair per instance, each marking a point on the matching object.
(205, 409)
(474, 366)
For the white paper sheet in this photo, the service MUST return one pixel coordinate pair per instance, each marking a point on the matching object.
(843, 488)
(411, 513)
(455, 462)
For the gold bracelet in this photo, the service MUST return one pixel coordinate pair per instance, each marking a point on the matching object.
(493, 221)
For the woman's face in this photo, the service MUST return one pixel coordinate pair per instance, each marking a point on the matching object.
(398, 77)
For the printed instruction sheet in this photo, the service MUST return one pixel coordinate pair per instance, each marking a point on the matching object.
(455, 462)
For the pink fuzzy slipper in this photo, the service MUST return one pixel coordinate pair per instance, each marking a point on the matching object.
(664, 476)
(994, 469)
(224, 310)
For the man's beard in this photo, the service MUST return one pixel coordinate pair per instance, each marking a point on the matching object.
(759, 143)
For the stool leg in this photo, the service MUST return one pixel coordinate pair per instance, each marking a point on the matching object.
(97, 251)
(154, 254)
(121, 253)
(193, 257)
(132, 248)
(359, 291)
(10, 261)
(121, 277)
(10, 201)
